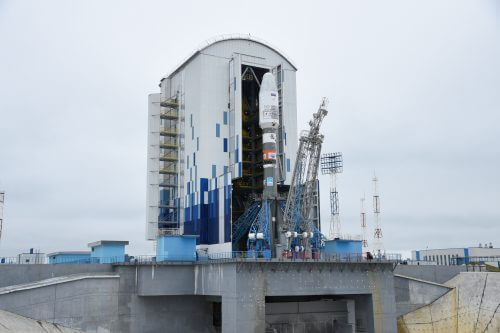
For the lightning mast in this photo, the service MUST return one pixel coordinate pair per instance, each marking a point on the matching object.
(378, 246)
(332, 164)
(363, 223)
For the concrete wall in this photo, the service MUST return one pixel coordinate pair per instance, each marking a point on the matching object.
(432, 273)
(149, 298)
(18, 274)
(412, 294)
(12, 323)
(472, 306)
(90, 304)
(311, 316)
(186, 313)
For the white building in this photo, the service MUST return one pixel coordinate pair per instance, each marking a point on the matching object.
(204, 142)
(458, 256)
(31, 258)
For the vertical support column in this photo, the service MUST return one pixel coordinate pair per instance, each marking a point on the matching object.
(351, 314)
(243, 313)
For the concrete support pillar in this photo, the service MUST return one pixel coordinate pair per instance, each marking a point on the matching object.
(351, 314)
(243, 314)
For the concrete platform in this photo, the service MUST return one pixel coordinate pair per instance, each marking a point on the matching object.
(230, 296)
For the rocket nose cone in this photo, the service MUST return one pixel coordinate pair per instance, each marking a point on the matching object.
(268, 83)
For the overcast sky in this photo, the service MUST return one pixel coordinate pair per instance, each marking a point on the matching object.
(414, 89)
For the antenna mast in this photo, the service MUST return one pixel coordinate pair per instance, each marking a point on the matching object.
(378, 246)
(363, 223)
(332, 164)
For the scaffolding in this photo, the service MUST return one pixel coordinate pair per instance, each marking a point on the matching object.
(170, 169)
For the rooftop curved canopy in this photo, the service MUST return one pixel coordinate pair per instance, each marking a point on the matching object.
(222, 38)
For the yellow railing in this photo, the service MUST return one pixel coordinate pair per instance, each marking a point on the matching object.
(166, 144)
(172, 157)
(171, 114)
(169, 131)
(170, 169)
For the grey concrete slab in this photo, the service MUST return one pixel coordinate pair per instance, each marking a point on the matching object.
(17, 274)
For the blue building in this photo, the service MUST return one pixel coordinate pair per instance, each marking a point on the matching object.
(343, 249)
(176, 248)
(69, 257)
(107, 251)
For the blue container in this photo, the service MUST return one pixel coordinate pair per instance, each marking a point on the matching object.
(343, 248)
(176, 248)
(107, 251)
(69, 257)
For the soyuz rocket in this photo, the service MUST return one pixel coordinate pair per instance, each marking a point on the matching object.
(269, 122)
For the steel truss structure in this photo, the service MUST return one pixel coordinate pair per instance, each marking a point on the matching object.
(301, 205)
(332, 164)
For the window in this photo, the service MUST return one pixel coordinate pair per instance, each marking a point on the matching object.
(192, 133)
(217, 130)
(225, 145)
(287, 165)
(198, 143)
(225, 117)
(214, 170)
(191, 120)
(194, 159)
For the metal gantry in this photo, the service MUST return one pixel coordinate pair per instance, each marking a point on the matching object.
(332, 164)
(301, 208)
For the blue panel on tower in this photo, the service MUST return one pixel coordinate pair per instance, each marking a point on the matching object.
(213, 217)
(227, 213)
(203, 184)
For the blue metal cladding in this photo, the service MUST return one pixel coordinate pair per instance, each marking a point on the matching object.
(203, 219)
(417, 254)
(227, 213)
(213, 217)
(466, 255)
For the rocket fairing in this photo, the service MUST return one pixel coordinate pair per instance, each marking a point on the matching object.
(269, 122)
(268, 103)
